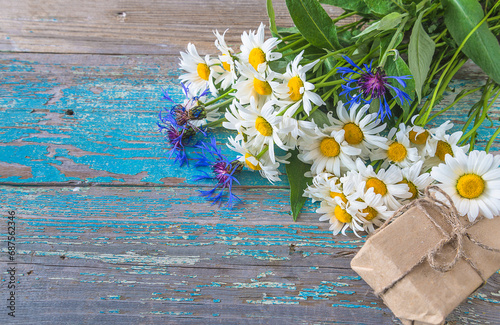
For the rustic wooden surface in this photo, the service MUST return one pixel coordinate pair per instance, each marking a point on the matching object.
(109, 230)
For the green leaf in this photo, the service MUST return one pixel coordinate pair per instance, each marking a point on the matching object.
(320, 118)
(353, 5)
(399, 68)
(287, 30)
(381, 7)
(272, 17)
(314, 23)
(420, 53)
(389, 21)
(298, 183)
(460, 17)
(387, 40)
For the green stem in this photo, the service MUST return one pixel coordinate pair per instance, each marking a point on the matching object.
(413, 107)
(214, 123)
(344, 15)
(492, 139)
(345, 49)
(286, 38)
(264, 150)
(381, 62)
(329, 83)
(224, 103)
(438, 37)
(479, 122)
(282, 112)
(454, 102)
(219, 98)
(441, 86)
(299, 49)
(284, 48)
(306, 116)
(457, 52)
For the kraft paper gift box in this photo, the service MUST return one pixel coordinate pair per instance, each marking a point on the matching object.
(428, 260)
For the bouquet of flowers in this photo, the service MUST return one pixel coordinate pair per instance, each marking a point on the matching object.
(345, 104)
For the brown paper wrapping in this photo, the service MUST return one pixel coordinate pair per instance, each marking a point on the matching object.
(425, 295)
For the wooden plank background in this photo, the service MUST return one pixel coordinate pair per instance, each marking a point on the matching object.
(109, 230)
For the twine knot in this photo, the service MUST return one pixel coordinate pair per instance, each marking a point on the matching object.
(456, 236)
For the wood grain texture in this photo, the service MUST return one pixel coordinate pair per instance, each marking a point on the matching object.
(109, 230)
(129, 27)
(112, 137)
(128, 254)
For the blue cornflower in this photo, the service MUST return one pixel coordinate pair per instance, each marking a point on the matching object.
(191, 110)
(165, 95)
(177, 136)
(223, 172)
(177, 123)
(371, 84)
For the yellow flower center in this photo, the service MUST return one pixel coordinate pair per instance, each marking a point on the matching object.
(378, 186)
(294, 86)
(226, 65)
(353, 134)
(249, 164)
(333, 195)
(371, 213)
(203, 71)
(419, 139)
(470, 186)
(342, 215)
(256, 57)
(262, 87)
(443, 149)
(263, 126)
(329, 147)
(396, 152)
(413, 189)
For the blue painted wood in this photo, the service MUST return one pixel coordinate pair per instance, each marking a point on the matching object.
(112, 136)
(86, 254)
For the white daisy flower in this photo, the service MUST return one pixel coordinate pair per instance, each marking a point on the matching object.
(255, 51)
(361, 129)
(416, 181)
(299, 128)
(234, 119)
(387, 183)
(325, 186)
(351, 180)
(327, 152)
(398, 151)
(295, 89)
(446, 144)
(256, 161)
(255, 84)
(260, 125)
(473, 182)
(423, 139)
(342, 215)
(375, 211)
(260, 84)
(199, 74)
(225, 73)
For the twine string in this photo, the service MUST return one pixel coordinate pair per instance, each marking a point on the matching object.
(456, 236)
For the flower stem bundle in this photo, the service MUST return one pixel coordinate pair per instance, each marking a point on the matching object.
(346, 104)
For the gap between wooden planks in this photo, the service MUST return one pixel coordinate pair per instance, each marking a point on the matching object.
(143, 255)
(130, 27)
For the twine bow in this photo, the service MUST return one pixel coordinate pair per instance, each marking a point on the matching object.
(456, 236)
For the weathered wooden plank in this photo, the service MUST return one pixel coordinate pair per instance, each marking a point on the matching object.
(129, 27)
(128, 254)
(111, 136)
